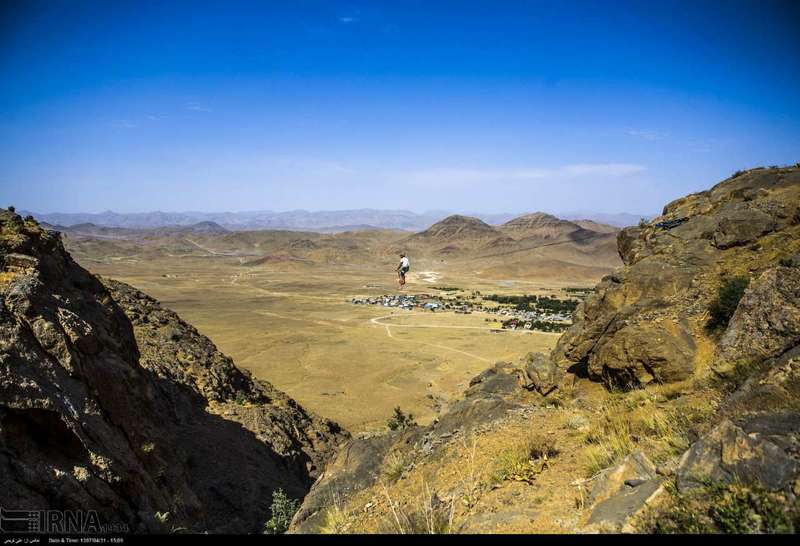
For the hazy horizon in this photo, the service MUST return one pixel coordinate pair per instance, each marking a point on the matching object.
(283, 211)
(462, 106)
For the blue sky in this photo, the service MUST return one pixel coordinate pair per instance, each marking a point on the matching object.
(481, 106)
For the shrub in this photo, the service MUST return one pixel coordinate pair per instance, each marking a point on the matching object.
(283, 509)
(724, 305)
(400, 420)
(643, 222)
(725, 508)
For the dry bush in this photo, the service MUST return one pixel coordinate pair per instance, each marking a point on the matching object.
(396, 464)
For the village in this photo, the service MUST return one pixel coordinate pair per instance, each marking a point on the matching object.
(543, 313)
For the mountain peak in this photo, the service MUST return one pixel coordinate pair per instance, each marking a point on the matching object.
(459, 226)
(534, 220)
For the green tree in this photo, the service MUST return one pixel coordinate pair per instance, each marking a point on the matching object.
(283, 509)
(400, 420)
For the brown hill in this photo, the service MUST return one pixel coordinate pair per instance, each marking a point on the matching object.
(532, 246)
(542, 227)
(456, 228)
(598, 227)
(539, 225)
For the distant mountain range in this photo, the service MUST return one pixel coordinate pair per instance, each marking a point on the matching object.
(321, 221)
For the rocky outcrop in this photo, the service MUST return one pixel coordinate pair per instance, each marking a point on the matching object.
(731, 453)
(644, 321)
(621, 493)
(757, 438)
(109, 402)
(766, 322)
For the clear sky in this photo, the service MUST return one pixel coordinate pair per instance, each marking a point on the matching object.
(489, 106)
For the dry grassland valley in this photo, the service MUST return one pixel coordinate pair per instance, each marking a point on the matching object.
(321, 316)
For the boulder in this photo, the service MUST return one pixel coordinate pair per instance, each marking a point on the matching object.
(634, 467)
(742, 225)
(730, 453)
(357, 465)
(643, 353)
(540, 373)
(500, 379)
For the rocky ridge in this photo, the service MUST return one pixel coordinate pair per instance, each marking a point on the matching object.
(645, 323)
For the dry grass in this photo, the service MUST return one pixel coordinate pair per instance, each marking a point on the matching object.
(636, 420)
(471, 479)
(428, 514)
(337, 519)
(525, 459)
(576, 421)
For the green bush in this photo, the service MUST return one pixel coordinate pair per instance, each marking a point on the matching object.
(400, 420)
(724, 305)
(283, 509)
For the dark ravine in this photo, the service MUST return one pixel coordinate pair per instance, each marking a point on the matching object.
(110, 402)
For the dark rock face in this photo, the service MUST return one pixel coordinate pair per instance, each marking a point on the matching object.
(357, 465)
(766, 322)
(133, 419)
(500, 379)
(622, 492)
(642, 323)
